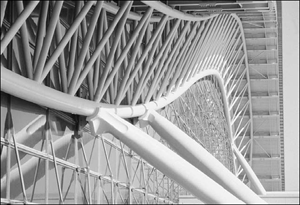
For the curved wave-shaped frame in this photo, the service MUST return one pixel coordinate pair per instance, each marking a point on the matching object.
(229, 68)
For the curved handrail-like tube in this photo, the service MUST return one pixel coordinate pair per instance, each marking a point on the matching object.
(258, 186)
(26, 89)
(248, 78)
(32, 91)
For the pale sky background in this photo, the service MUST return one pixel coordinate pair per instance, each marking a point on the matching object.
(290, 46)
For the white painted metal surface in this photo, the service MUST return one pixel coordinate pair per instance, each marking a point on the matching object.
(125, 59)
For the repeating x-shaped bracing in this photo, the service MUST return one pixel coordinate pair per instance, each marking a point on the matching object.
(107, 54)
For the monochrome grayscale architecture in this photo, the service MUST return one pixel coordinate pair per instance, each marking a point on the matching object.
(142, 102)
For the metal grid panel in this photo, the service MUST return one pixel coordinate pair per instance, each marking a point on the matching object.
(97, 172)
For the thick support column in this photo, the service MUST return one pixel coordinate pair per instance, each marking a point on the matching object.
(250, 173)
(161, 157)
(194, 153)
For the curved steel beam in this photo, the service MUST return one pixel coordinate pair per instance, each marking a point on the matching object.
(32, 91)
(198, 156)
(248, 87)
(29, 90)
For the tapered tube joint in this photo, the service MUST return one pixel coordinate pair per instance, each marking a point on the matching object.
(161, 157)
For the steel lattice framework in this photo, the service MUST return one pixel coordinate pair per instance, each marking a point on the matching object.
(123, 68)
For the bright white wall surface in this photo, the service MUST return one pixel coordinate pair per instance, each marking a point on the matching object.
(189, 200)
(281, 197)
(290, 47)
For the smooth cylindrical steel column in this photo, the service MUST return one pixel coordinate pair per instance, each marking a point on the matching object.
(199, 157)
(164, 159)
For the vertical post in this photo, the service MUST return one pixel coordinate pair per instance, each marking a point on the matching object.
(112, 190)
(99, 170)
(8, 115)
(130, 195)
(199, 157)
(77, 169)
(168, 189)
(36, 173)
(130, 177)
(49, 135)
(87, 172)
(8, 154)
(46, 162)
(156, 186)
(18, 162)
(144, 181)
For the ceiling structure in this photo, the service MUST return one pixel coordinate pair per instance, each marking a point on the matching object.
(227, 82)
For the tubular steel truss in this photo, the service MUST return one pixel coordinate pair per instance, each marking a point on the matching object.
(72, 58)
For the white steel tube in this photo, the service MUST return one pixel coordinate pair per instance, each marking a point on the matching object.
(17, 25)
(194, 153)
(32, 91)
(250, 173)
(163, 8)
(161, 157)
(30, 135)
(28, 169)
